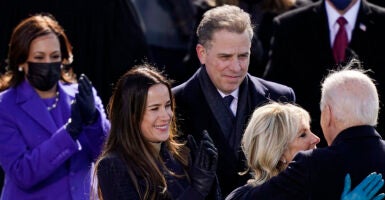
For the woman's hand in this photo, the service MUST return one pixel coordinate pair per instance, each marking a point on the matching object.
(365, 190)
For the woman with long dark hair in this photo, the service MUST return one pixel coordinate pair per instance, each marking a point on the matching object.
(141, 158)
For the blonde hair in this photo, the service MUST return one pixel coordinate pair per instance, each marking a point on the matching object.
(268, 134)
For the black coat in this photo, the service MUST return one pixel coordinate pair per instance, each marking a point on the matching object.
(320, 173)
(302, 54)
(115, 182)
(194, 115)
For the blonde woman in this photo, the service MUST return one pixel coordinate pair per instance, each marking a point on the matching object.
(275, 133)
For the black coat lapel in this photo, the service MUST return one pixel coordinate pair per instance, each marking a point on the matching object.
(360, 43)
(321, 32)
(243, 111)
(222, 115)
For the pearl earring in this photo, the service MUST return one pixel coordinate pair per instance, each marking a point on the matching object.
(20, 69)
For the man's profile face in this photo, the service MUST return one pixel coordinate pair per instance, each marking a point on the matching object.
(227, 59)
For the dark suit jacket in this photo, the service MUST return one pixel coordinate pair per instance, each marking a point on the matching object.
(319, 174)
(302, 55)
(265, 27)
(195, 115)
(378, 2)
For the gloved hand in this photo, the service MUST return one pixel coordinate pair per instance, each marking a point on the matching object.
(365, 190)
(85, 99)
(204, 165)
(74, 124)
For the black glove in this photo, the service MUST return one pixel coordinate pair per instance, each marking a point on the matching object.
(203, 170)
(85, 99)
(74, 124)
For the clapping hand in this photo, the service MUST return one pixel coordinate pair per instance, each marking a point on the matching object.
(86, 101)
(204, 164)
(365, 190)
(74, 124)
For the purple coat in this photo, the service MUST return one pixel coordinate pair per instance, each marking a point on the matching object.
(39, 157)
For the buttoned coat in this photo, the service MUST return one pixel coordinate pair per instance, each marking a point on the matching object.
(39, 157)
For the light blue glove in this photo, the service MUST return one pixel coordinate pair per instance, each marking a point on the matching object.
(365, 190)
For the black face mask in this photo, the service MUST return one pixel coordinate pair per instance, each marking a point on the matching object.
(43, 76)
(341, 4)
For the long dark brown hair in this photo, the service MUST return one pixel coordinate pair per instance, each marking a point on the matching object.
(126, 110)
(22, 36)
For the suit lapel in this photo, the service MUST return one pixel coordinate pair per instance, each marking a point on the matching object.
(251, 95)
(222, 115)
(31, 103)
(320, 29)
(362, 28)
(244, 108)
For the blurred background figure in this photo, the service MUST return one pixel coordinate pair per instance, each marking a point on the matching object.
(271, 9)
(51, 129)
(169, 29)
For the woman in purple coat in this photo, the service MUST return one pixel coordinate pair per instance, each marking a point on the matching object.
(51, 130)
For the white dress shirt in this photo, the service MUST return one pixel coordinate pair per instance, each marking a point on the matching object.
(333, 15)
(234, 103)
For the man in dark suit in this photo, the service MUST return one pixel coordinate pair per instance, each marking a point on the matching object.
(302, 48)
(224, 41)
(349, 112)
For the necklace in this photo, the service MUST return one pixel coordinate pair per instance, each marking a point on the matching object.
(49, 108)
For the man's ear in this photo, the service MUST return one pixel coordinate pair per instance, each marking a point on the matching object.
(326, 123)
(327, 115)
(201, 53)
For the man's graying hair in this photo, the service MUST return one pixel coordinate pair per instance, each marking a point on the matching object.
(226, 17)
(352, 94)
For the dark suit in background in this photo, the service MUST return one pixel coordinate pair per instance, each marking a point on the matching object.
(302, 54)
(265, 27)
(378, 2)
(197, 111)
